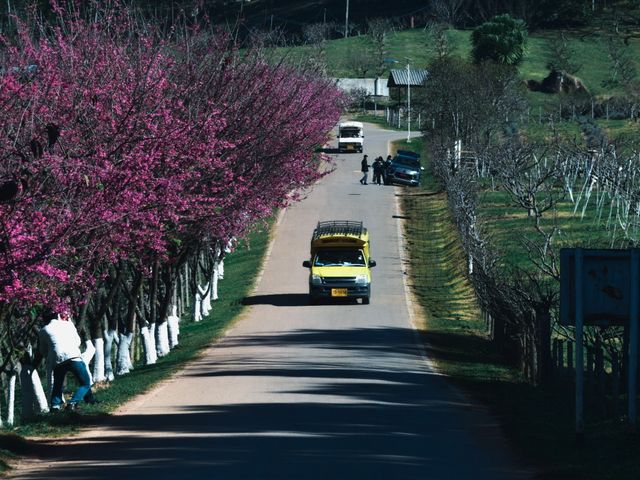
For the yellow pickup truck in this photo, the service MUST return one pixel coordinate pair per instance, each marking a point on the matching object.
(340, 264)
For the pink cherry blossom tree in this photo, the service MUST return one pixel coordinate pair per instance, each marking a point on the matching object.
(129, 159)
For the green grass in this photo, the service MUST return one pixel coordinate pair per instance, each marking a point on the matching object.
(590, 52)
(241, 265)
(508, 225)
(537, 421)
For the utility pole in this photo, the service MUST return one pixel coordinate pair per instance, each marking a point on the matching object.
(346, 21)
(408, 103)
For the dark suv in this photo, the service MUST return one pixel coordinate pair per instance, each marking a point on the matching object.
(404, 169)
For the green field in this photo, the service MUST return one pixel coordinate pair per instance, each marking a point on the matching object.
(590, 52)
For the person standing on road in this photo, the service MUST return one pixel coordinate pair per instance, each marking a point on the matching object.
(377, 170)
(385, 168)
(60, 345)
(364, 168)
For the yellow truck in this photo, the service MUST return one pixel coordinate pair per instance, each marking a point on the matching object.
(340, 264)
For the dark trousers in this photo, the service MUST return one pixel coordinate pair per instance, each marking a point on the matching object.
(80, 371)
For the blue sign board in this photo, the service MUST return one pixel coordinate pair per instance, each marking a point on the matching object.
(606, 279)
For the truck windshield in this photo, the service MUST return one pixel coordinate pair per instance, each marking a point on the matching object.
(350, 132)
(337, 257)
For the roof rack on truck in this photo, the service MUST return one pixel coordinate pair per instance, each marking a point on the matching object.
(339, 227)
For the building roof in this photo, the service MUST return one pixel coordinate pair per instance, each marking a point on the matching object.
(398, 77)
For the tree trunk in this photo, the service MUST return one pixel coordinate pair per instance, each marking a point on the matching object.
(89, 352)
(110, 336)
(162, 334)
(11, 399)
(162, 339)
(543, 320)
(214, 280)
(98, 360)
(197, 308)
(147, 332)
(173, 322)
(124, 365)
(34, 400)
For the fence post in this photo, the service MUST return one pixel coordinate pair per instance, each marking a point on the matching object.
(543, 344)
(570, 356)
(615, 384)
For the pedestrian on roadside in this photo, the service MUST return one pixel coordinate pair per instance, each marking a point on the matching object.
(364, 168)
(385, 169)
(378, 165)
(59, 343)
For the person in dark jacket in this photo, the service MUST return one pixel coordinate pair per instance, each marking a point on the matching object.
(385, 168)
(364, 168)
(378, 166)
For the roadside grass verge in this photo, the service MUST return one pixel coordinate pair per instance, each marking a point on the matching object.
(241, 268)
(537, 421)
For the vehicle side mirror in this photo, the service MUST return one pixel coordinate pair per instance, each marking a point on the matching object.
(306, 264)
(372, 263)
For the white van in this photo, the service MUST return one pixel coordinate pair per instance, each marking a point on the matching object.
(350, 137)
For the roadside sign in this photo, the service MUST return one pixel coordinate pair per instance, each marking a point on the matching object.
(601, 287)
(606, 277)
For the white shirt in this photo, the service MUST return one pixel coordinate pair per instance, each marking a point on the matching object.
(59, 341)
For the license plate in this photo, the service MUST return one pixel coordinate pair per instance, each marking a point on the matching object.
(350, 147)
(338, 292)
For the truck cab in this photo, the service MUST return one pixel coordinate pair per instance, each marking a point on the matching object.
(350, 137)
(340, 264)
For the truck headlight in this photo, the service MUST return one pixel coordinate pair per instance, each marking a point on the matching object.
(361, 280)
(316, 280)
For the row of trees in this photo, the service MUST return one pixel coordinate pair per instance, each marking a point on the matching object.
(130, 159)
(472, 130)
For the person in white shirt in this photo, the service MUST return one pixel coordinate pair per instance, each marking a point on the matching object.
(60, 345)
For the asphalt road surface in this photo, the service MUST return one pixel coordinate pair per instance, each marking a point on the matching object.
(299, 391)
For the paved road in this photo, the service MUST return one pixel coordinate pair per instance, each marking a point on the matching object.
(298, 391)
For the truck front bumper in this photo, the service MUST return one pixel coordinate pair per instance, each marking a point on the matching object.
(352, 291)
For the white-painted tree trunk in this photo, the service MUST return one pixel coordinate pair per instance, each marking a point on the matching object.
(197, 307)
(41, 398)
(162, 339)
(110, 336)
(148, 340)
(214, 281)
(11, 400)
(33, 398)
(173, 324)
(98, 360)
(49, 380)
(89, 352)
(206, 300)
(123, 363)
(221, 269)
(87, 355)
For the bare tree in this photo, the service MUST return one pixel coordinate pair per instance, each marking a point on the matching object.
(378, 30)
(437, 40)
(560, 55)
(448, 11)
(361, 61)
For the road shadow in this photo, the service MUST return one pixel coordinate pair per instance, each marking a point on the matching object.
(369, 412)
(293, 300)
(278, 300)
(329, 150)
